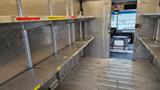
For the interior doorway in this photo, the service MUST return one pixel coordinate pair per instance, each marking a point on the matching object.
(123, 20)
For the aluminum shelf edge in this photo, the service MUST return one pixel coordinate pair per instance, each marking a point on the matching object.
(152, 15)
(12, 19)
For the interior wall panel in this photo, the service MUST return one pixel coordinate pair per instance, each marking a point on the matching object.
(147, 24)
(76, 7)
(68, 7)
(58, 7)
(157, 6)
(8, 7)
(98, 27)
(41, 43)
(12, 52)
(147, 6)
(35, 7)
(61, 37)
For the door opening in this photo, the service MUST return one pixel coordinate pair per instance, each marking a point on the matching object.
(122, 31)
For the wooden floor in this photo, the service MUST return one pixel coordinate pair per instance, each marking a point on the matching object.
(102, 74)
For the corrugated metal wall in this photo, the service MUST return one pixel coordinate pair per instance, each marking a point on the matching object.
(61, 37)
(34, 7)
(41, 43)
(8, 7)
(76, 7)
(12, 53)
(58, 7)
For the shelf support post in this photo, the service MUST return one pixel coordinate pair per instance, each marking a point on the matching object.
(68, 2)
(25, 37)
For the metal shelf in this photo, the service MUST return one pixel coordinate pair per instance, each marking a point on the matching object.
(152, 45)
(18, 19)
(152, 15)
(45, 70)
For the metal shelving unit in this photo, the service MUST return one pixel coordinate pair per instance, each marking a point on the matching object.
(37, 75)
(34, 78)
(153, 46)
(53, 36)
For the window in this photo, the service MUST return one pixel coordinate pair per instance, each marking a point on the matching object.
(125, 19)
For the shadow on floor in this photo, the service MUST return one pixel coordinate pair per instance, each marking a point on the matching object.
(119, 53)
(124, 56)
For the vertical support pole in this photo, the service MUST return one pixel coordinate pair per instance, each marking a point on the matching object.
(25, 37)
(54, 38)
(68, 25)
(53, 27)
(81, 32)
(81, 36)
(73, 32)
(67, 7)
(27, 47)
(85, 30)
(69, 34)
(19, 4)
(157, 30)
(72, 25)
(50, 7)
(72, 10)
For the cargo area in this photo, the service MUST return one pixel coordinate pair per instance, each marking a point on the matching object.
(79, 44)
